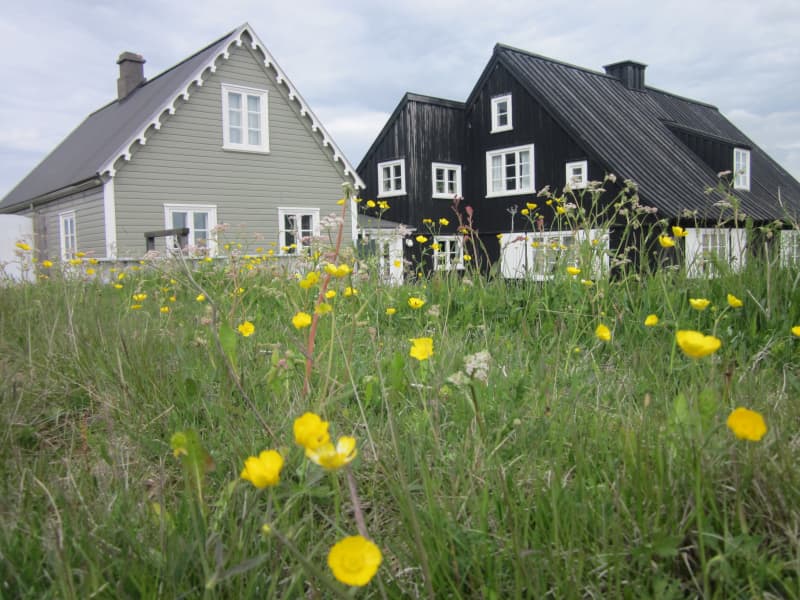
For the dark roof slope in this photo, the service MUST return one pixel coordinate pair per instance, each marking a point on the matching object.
(103, 133)
(628, 131)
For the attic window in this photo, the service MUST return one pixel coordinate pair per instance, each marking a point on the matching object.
(391, 178)
(244, 119)
(741, 169)
(501, 114)
(577, 174)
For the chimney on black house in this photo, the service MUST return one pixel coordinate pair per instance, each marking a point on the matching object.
(630, 73)
(131, 73)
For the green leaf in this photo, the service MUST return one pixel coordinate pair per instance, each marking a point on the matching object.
(680, 410)
(228, 340)
(707, 404)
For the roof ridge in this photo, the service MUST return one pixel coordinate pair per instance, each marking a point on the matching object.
(562, 63)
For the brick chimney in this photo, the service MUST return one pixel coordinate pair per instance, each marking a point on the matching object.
(630, 73)
(131, 73)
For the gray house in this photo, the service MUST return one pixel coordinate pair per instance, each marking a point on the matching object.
(221, 137)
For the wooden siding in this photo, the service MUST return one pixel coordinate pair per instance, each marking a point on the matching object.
(89, 224)
(184, 163)
(717, 154)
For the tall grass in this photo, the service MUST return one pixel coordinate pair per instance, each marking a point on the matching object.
(579, 468)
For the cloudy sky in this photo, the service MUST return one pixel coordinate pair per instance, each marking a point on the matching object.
(353, 60)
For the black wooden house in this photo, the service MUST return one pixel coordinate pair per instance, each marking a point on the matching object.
(532, 122)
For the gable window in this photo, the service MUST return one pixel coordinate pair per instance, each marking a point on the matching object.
(201, 219)
(446, 180)
(244, 119)
(577, 174)
(297, 228)
(501, 114)
(790, 247)
(391, 178)
(448, 254)
(707, 249)
(509, 171)
(68, 235)
(741, 169)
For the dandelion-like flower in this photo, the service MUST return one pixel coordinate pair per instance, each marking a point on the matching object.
(391, 310)
(444, 222)
(421, 239)
(666, 242)
(246, 329)
(23, 246)
(734, 302)
(264, 470)
(699, 303)
(603, 333)
(695, 344)
(573, 270)
(678, 232)
(164, 310)
(201, 297)
(415, 302)
(796, 330)
(421, 348)
(332, 457)
(47, 264)
(747, 424)
(310, 431)
(354, 560)
(301, 320)
(338, 271)
(330, 294)
(350, 291)
(139, 297)
(651, 321)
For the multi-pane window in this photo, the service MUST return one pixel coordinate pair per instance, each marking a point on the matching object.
(391, 178)
(298, 228)
(708, 249)
(741, 169)
(790, 247)
(448, 253)
(540, 255)
(244, 119)
(68, 235)
(510, 171)
(199, 219)
(446, 180)
(501, 113)
(547, 251)
(576, 174)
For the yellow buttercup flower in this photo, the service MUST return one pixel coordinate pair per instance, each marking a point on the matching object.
(330, 294)
(354, 560)
(796, 330)
(467, 258)
(697, 345)
(699, 303)
(310, 431)
(602, 333)
(164, 309)
(47, 264)
(587, 282)
(23, 246)
(201, 297)
(397, 264)
(332, 457)
(666, 241)
(136, 306)
(370, 203)
(140, 297)
(415, 302)
(444, 222)
(747, 424)
(264, 470)
(573, 270)
(338, 271)
(323, 308)
(350, 291)
(421, 348)
(561, 210)
(524, 212)
(678, 232)
(246, 329)
(531, 205)
(651, 321)
(118, 286)
(734, 302)
(390, 311)
(301, 320)
(421, 239)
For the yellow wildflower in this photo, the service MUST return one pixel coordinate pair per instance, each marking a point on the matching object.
(602, 333)
(524, 212)
(201, 297)
(310, 431)
(561, 210)
(734, 302)
(421, 348)
(350, 291)
(301, 320)
(330, 294)
(246, 329)
(747, 424)
(323, 308)
(47, 264)
(415, 302)
(390, 311)
(421, 239)
(467, 257)
(354, 560)
(264, 470)
(651, 321)
(666, 241)
(444, 222)
(332, 457)
(164, 309)
(136, 306)
(696, 345)
(370, 203)
(90, 271)
(119, 286)
(23, 246)
(796, 330)
(587, 282)
(397, 264)
(140, 297)
(573, 270)
(699, 303)
(339, 271)
(531, 205)
(678, 231)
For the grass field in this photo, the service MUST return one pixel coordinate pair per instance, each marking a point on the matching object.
(519, 456)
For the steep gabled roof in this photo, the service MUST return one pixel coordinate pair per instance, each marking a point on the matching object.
(628, 131)
(110, 133)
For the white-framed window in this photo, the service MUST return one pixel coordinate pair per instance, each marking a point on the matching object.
(68, 234)
(509, 171)
(391, 178)
(449, 253)
(709, 247)
(201, 219)
(790, 247)
(446, 180)
(538, 255)
(741, 169)
(386, 248)
(244, 119)
(501, 114)
(577, 174)
(297, 227)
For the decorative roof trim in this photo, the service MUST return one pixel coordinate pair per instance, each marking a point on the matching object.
(197, 78)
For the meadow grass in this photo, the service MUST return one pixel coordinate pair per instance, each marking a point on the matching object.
(562, 466)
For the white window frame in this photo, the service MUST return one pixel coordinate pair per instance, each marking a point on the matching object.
(741, 169)
(516, 150)
(450, 253)
(518, 257)
(68, 234)
(210, 248)
(447, 168)
(496, 114)
(244, 145)
(302, 247)
(790, 247)
(583, 165)
(391, 164)
(729, 248)
(388, 248)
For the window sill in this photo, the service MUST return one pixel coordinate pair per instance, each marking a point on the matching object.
(247, 149)
(511, 193)
(392, 194)
(502, 129)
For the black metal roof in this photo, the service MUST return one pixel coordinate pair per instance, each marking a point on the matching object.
(628, 131)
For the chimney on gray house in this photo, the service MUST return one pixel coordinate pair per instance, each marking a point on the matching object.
(630, 73)
(131, 73)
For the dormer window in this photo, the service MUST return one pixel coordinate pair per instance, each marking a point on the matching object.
(501, 114)
(244, 119)
(577, 174)
(741, 169)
